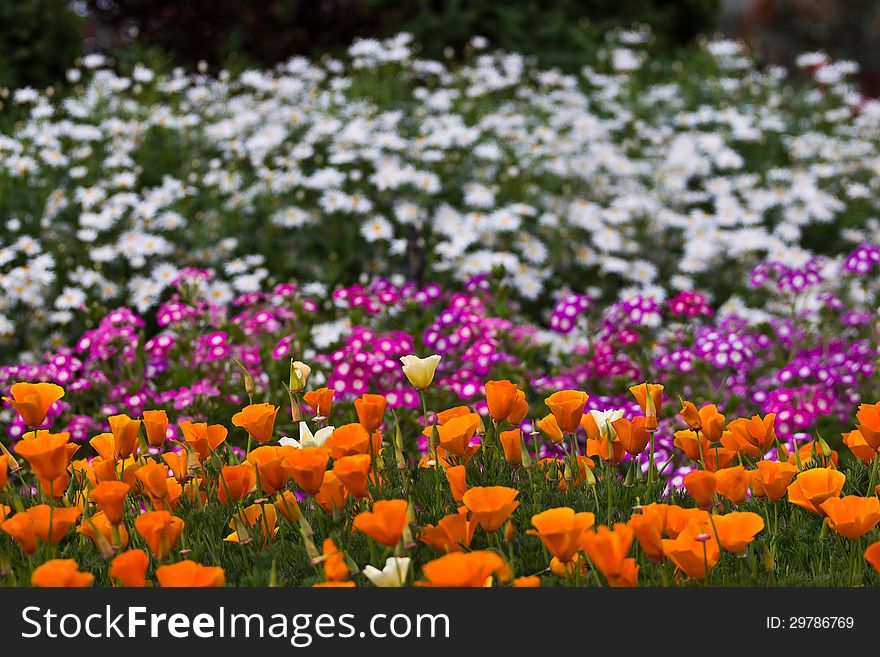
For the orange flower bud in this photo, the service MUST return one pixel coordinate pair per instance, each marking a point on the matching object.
(511, 442)
(457, 482)
(370, 411)
(156, 427)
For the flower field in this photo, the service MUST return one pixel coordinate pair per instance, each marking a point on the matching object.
(383, 321)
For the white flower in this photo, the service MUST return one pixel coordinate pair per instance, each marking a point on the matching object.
(392, 575)
(306, 438)
(603, 421)
(420, 371)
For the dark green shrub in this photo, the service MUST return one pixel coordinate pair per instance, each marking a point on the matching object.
(39, 39)
(557, 31)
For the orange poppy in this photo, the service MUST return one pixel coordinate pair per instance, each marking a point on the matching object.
(202, 437)
(354, 472)
(632, 434)
(868, 417)
(694, 551)
(451, 534)
(501, 397)
(814, 451)
(456, 433)
(650, 399)
(331, 495)
(813, 487)
(335, 567)
(129, 568)
(457, 481)
(62, 519)
(370, 411)
(872, 555)
(47, 453)
(511, 443)
(690, 442)
(57, 573)
(567, 406)
(737, 529)
(156, 427)
(527, 582)
(456, 411)
(701, 484)
(190, 574)
(33, 400)
(560, 530)
(520, 409)
(98, 528)
(307, 467)
(4, 471)
(288, 506)
(125, 432)
(859, 446)
(756, 430)
(737, 443)
(708, 421)
(852, 516)
(628, 577)
(258, 420)
(351, 439)
(236, 482)
(717, 458)
(677, 518)
(154, 478)
(550, 427)
(491, 505)
(460, 569)
(110, 498)
(160, 530)
(178, 463)
(272, 472)
(20, 527)
(603, 447)
(568, 570)
(649, 526)
(260, 519)
(733, 483)
(771, 479)
(385, 523)
(320, 400)
(607, 548)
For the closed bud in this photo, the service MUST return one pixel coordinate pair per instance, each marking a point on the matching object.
(299, 374)
(510, 532)
(249, 385)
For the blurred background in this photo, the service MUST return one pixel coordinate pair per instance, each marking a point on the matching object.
(40, 38)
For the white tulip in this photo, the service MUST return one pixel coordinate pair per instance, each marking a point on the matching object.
(392, 575)
(420, 371)
(306, 438)
(604, 420)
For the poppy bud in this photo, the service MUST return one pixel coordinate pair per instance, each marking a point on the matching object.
(249, 386)
(510, 532)
(299, 374)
